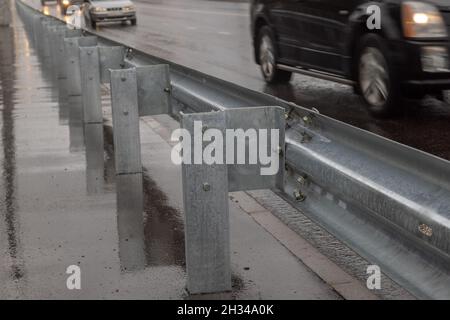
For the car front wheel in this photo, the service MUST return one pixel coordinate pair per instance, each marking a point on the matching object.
(268, 58)
(377, 82)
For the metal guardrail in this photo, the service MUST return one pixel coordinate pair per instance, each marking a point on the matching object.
(387, 201)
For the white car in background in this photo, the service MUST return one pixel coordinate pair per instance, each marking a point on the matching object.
(109, 11)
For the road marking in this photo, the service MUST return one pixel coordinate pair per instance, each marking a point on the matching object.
(225, 33)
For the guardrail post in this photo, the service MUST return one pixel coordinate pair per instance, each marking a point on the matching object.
(134, 92)
(207, 229)
(53, 30)
(127, 147)
(90, 85)
(95, 162)
(110, 58)
(127, 151)
(206, 186)
(5, 13)
(73, 61)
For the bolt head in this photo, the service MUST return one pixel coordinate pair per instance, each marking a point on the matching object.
(206, 187)
(299, 196)
(302, 179)
(125, 112)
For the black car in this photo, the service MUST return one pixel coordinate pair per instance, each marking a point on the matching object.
(386, 49)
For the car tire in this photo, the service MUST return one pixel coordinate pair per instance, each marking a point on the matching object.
(267, 56)
(377, 79)
(133, 22)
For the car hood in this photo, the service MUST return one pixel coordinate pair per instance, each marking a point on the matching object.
(112, 4)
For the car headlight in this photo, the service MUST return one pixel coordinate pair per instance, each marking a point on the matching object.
(99, 9)
(422, 20)
(128, 8)
(66, 2)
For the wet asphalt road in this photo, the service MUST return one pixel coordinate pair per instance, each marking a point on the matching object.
(214, 37)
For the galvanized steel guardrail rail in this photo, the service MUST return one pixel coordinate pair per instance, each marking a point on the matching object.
(388, 202)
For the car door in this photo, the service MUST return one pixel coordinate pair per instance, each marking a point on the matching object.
(326, 24)
(285, 24)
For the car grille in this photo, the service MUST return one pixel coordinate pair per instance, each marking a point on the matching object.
(114, 9)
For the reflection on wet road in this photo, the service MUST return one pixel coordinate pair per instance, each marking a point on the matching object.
(58, 195)
(8, 203)
(214, 37)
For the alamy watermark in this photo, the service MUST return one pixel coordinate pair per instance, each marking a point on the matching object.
(374, 279)
(240, 147)
(73, 282)
(374, 20)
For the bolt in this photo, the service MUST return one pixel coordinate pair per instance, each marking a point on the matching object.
(166, 89)
(91, 78)
(299, 196)
(303, 179)
(306, 119)
(123, 79)
(89, 52)
(125, 112)
(204, 128)
(206, 186)
(286, 115)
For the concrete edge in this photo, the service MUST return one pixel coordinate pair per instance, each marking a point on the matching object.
(347, 286)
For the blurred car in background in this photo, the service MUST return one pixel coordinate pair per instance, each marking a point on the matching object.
(406, 56)
(97, 11)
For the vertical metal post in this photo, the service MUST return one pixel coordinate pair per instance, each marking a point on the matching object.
(127, 150)
(72, 67)
(95, 164)
(37, 31)
(207, 230)
(72, 46)
(46, 22)
(90, 84)
(5, 13)
(125, 112)
(54, 49)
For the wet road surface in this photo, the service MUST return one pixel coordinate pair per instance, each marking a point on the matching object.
(61, 204)
(214, 37)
